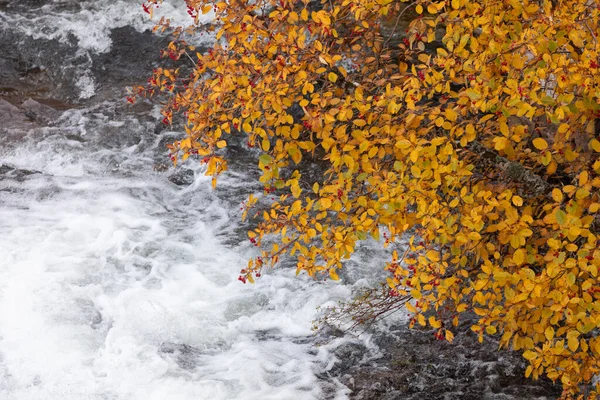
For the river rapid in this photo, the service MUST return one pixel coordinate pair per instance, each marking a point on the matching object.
(118, 272)
(117, 282)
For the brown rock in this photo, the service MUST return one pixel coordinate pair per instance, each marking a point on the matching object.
(12, 116)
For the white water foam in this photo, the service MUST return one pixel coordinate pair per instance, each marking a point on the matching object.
(92, 24)
(117, 285)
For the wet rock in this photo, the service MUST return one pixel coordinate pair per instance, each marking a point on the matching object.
(416, 366)
(348, 354)
(35, 70)
(130, 53)
(59, 69)
(183, 177)
(160, 167)
(8, 75)
(39, 112)
(245, 306)
(23, 114)
(75, 138)
(8, 172)
(25, 4)
(12, 116)
(185, 356)
(296, 112)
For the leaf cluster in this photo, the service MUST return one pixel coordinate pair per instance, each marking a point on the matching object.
(475, 131)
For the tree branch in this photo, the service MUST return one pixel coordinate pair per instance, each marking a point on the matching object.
(533, 183)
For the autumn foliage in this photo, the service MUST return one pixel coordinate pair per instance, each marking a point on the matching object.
(472, 132)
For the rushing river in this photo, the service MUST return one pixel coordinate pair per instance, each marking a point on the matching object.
(118, 273)
(115, 283)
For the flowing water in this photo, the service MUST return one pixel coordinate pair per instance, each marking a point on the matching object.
(115, 283)
(118, 274)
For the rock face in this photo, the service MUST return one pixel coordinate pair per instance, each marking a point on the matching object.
(19, 175)
(413, 365)
(17, 113)
(46, 68)
(16, 5)
(12, 116)
(130, 53)
(35, 70)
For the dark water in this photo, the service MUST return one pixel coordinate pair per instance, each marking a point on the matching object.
(117, 272)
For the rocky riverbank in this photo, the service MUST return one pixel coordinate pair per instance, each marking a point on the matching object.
(410, 364)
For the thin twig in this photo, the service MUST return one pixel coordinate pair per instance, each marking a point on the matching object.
(396, 25)
(186, 53)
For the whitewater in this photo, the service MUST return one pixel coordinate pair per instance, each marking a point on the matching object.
(116, 283)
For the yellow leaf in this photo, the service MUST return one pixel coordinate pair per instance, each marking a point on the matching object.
(557, 195)
(546, 158)
(333, 275)
(265, 144)
(403, 144)
(419, 9)
(295, 189)
(501, 143)
(434, 322)
(475, 236)
(304, 14)
(563, 128)
(221, 144)
(325, 203)
(540, 144)
(573, 343)
(519, 256)
(549, 333)
(583, 178)
(358, 93)
(332, 77)
(517, 201)
(470, 129)
(595, 144)
(451, 115)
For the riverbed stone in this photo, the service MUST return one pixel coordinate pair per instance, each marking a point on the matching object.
(12, 116)
(413, 365)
